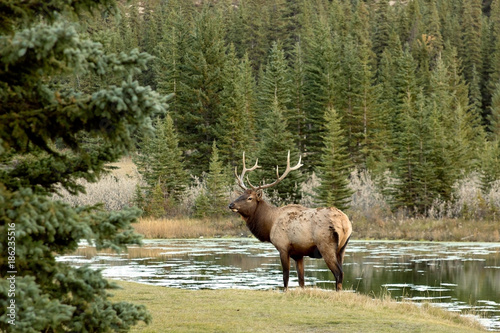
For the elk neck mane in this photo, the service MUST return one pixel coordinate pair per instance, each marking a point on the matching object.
(261, 221)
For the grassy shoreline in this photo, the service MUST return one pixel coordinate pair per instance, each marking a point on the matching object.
(448, 230)
(308, 310)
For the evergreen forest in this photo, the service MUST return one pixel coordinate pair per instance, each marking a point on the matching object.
(408, 90)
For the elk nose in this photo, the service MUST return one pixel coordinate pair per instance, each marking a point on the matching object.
(231, 205)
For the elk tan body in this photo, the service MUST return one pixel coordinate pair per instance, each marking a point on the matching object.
(296, 231)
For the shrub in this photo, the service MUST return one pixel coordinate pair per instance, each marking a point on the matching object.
(115, 192)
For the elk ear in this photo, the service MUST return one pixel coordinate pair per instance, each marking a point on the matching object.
(259, 195)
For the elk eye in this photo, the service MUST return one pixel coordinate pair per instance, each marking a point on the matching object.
(250, 199)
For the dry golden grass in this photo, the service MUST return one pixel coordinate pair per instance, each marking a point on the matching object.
(189, 228)
(405, 229)
(125, 168)
(445, 229)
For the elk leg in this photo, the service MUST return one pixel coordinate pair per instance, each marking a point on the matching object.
(330, 256)
(285, 262)
(299, 263)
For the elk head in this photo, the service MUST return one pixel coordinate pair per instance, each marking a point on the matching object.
(247, 203)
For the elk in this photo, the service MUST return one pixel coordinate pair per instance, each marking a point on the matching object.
(295, 231)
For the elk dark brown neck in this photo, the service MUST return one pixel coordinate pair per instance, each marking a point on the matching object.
(261, 222)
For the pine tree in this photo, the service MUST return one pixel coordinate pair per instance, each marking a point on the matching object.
(475, 98)
(464, 130)
(490, 160)
(249, 31)
(346, 90)
(319, 86)
(335, 165)
(374, 136)
(494, 69)
(150, 31)
(275, 84)
(381, 25)
(130, 27)
(387, 70)
(198, 104)
(298, 119)
(36, 45)
(217, 185)
(494, 118)
(236, 126)
(433, 29)
(157, 200)
(450, 19)
(275, 142)
(471, 37)
(171, 54)
(160, 160)
(413, 192)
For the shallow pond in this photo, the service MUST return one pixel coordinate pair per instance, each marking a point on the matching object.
(461, 277)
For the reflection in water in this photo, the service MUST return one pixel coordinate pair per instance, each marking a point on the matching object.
(455, 276)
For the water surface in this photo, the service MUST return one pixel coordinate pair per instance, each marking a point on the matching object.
(463, 277)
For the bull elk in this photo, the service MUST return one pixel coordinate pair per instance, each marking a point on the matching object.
(294, 230)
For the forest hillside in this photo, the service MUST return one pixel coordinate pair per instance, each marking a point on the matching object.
(397, 98)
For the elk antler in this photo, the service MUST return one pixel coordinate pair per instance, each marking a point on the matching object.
(280, 178)
(240, 178)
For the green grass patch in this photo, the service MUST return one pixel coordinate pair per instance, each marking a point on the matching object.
(307, 310)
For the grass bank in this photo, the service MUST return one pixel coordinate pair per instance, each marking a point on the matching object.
(393, 229)
(444, 230)
(309, 310)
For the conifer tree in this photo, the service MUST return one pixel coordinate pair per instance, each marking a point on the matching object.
(37, 45)
(280, 25)
(475, 98)
(374, 142)
(386, 77)
(298, 118)
(319, 85)
(387, 74)
(217, 185)
(413, 192)
(198, 106)
(157, 201)
(151, 35)
(471, 37)
(381, 26)
(335, 165)
(275, 143)
(360, 30)
(171, 53)
(236, 126)
(412, 29)
(450, 19)
(490, 160)
(160, 160)
(346, 90)
(130, 27)
(433, 29)
(275, 84)
(494, 117)
(494, 70)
